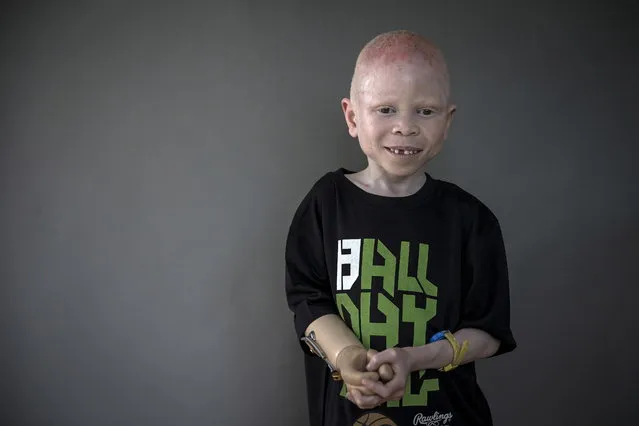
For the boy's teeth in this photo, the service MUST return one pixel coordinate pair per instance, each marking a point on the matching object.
(403, 151)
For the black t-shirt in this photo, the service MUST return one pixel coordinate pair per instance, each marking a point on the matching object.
(398, 270)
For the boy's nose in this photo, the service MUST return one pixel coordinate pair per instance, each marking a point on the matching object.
(405, 128)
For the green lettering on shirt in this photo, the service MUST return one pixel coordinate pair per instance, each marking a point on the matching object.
(387, 329)
(399, 296)
(419, 284)
(386, 271)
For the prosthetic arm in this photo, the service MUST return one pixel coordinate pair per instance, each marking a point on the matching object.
(330, 338)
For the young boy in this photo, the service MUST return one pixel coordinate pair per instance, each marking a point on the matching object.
(398, 281)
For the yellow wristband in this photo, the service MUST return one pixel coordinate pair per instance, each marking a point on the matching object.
(458, 351)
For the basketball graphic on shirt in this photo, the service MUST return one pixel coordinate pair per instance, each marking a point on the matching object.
(374, 419)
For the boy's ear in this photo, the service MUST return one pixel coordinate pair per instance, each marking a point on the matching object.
(449, 119)
(349, 116)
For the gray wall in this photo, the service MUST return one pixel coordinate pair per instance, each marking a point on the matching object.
(152, 156)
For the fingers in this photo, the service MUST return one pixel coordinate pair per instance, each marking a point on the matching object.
(363, 401)
(370, 353)
(361, 389)
(392, 390)
(386, 372)
(375, 360)
(354, 377)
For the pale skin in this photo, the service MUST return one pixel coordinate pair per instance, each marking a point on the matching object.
(399, 100)
(405, 360)
(400, 112)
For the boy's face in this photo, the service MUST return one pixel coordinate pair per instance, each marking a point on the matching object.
(400, 114)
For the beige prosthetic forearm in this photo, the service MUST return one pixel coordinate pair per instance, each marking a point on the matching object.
(329, 337)
(332, 335)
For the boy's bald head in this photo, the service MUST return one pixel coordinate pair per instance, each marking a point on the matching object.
(397, 47)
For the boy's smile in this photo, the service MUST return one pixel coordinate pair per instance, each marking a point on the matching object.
(399, 112)
(403, 151)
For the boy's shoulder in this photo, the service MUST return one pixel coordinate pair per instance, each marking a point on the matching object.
(321, 187)
(456, 197)
(321, 190)
(327, 181)
(456, 192)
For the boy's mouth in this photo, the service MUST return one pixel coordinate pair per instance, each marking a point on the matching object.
(407, 151)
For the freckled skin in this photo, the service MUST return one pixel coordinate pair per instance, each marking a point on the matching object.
(397, 47)
(399, 98)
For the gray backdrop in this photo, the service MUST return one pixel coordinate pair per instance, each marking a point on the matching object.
(152, 156)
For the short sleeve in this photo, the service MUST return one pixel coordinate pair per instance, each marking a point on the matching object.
(486, 296)
(307, 284)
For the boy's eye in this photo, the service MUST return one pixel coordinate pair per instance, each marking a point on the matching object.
(385, 110)
(426, 111)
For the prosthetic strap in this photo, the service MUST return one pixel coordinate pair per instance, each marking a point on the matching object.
(327, 337)
(315, 348)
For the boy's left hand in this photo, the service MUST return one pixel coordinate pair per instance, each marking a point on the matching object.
(400, 362)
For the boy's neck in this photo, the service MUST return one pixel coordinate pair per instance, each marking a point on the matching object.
(376, 181)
